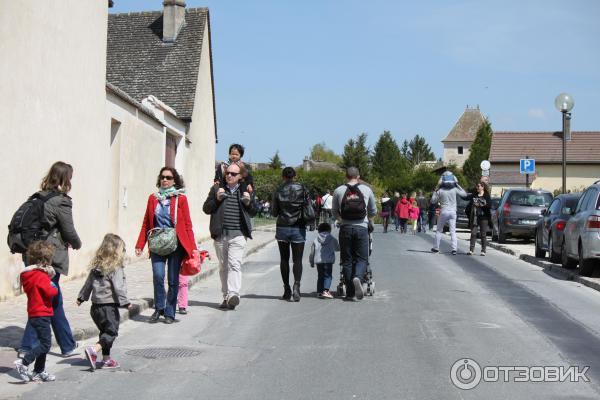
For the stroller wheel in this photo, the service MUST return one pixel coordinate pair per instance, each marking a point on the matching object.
(341, 292)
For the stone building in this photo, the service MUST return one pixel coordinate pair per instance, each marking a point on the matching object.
(458, 142)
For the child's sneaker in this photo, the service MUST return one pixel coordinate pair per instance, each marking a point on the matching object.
(91, 356)
(110, 364)
(326, 295)
(43, 377)
(22, 370)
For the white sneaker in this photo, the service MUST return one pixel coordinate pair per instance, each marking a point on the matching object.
(358, 289)
(43, 377)
(22, 370)
(469, 253)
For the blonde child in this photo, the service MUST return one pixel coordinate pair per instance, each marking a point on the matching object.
(413, 216)
(107, 286)
(36, 281)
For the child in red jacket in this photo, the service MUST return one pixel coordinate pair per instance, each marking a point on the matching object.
(40, 291)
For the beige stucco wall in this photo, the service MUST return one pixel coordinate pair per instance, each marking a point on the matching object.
(451, 155)
(141, 141)
(199, 167)
(52, 81)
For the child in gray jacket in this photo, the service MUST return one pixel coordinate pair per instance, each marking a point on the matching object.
(322, 253)
(106, 284)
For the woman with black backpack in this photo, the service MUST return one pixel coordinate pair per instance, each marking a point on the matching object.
(293, 209)
(58, 230)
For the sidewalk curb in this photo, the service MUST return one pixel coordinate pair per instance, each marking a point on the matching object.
(140, 305)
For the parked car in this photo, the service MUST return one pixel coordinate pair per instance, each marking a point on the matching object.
(549, 229)
(462, 220)
(518, 213)
(581, 244)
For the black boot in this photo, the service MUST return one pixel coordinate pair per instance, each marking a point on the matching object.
(287, 293)
(296, 292)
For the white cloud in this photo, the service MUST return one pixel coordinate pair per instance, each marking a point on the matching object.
(536, 113)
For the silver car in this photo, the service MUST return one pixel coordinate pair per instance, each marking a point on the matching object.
(581, 244)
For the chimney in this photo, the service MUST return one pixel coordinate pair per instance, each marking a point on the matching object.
(173, 19)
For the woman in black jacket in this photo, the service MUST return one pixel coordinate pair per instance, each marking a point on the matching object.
(478, 211)
(289, 201)
(61, 233)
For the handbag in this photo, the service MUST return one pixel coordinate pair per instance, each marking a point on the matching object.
(163, 241)
(308, 212)
(193, 265)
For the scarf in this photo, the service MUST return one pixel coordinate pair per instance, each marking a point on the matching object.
(164, 194)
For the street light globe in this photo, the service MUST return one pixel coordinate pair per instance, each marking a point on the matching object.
(564, 102)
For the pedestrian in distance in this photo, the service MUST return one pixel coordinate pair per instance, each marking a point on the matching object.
(479, 213)
(401, 211)
(353, 207)
(423, 205)
(107, 287)
(167, 227)
(446, 193)
(327, 203)
(395, 201)
(230, 211)
(322, 254)
(292, 207)
(236, 152)
(40, 290)
(386, 210)
(413, 216)
(59, 231)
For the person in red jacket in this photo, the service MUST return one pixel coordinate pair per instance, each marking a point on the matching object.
(37, 284)
(161, 212)
(401, 211)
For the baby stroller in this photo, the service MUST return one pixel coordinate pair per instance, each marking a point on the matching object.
(368, 278)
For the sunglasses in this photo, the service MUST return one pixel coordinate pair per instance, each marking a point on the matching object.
(167, 177)
(232, 173)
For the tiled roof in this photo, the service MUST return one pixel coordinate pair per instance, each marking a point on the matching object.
(545, 147)
(140, 64)
(508, 177)
(466, 127)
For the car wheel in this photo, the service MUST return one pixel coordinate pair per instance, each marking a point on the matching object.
(554, 256)
(586, 267)
(539, 252)
(501, 235)
(566, 261)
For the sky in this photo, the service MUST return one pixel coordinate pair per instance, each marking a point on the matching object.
(290, 74)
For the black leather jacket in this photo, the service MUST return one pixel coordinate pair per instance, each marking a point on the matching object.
(287, 204)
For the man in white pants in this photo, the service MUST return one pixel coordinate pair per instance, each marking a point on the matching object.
(230, 227)
(445, 193)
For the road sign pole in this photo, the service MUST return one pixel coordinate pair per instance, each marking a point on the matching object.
(527, 176)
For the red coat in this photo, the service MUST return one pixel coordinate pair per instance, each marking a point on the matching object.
(402, 207)
(40, 291)
(185, 235)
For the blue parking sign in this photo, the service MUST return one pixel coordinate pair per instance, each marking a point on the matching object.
(527, 166)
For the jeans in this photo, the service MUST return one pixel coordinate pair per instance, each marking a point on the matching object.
(41, 329)
(60, 326)
(482, 227)
(230, 252)
(421, 221)
(166, 302)
(396, 222)
(290, 234)
(403, 222)
(448, 216)
(354, 254)
(324, 272)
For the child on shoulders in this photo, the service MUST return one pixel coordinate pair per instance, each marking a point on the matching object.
(322, 253)
(107, 286)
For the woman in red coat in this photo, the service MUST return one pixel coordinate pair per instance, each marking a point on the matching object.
(401, 212)
(160, 213)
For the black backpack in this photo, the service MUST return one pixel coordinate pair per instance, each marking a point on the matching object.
(27, 225)
(353, 205)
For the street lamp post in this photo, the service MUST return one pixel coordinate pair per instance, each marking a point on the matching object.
(564, 103)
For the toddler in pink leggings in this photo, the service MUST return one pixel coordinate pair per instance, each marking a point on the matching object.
(182, 296)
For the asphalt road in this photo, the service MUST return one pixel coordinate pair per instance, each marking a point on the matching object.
(429, 311)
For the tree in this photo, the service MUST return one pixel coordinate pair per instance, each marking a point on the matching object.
(418, 151)
(357, 154)
(404, 149)
(275, 162)
(480, 150)
(320, 152)
(386, 162)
